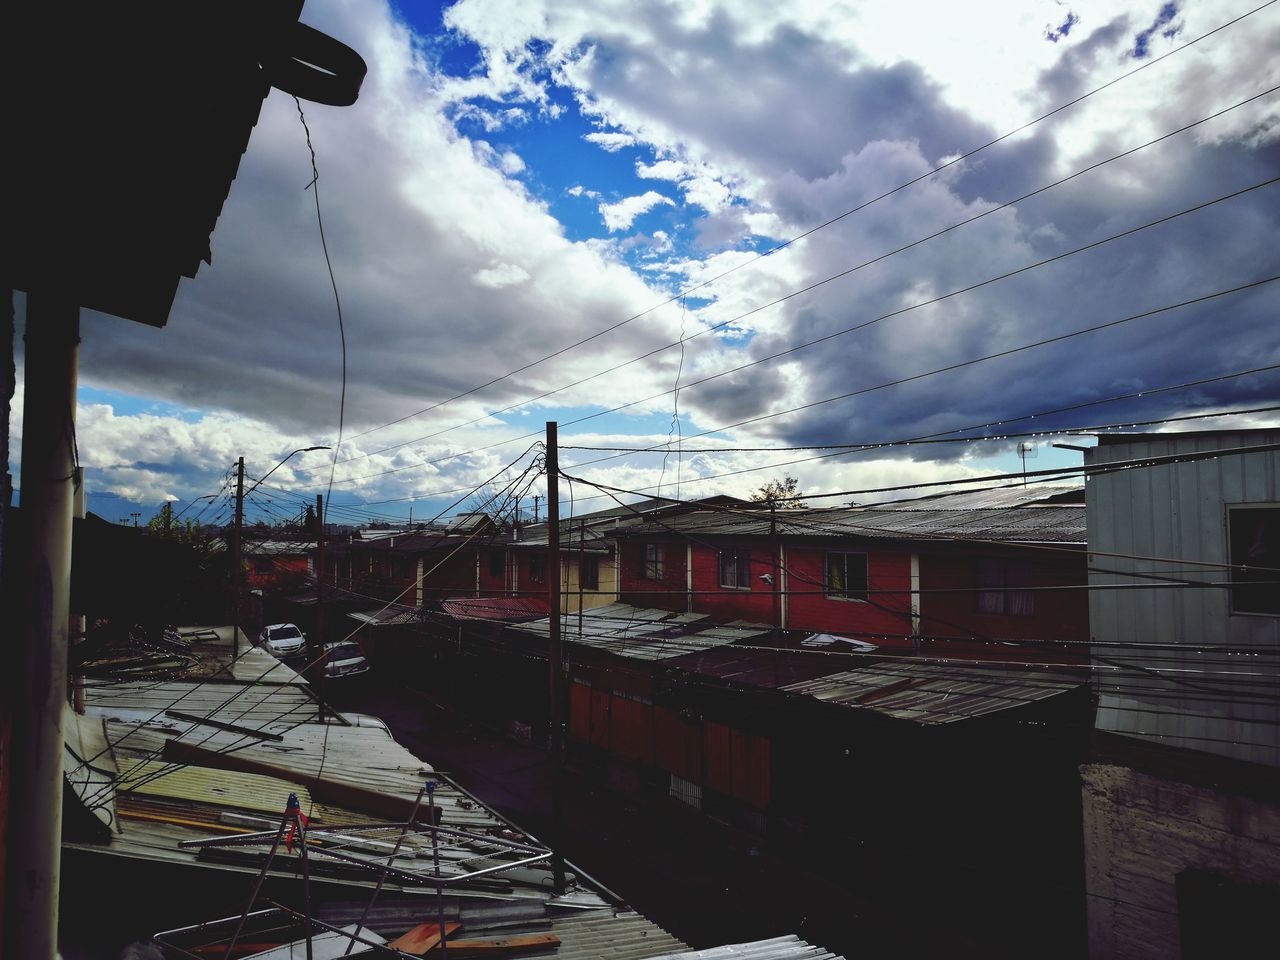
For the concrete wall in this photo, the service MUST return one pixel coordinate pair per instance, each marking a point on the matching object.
(1140, 832)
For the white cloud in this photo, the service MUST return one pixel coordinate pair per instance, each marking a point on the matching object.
(772, 118)
(610, 142)
(620, 215)
(501, 275)
(662, 170)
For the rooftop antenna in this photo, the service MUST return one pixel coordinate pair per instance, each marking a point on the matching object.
(1026, 449)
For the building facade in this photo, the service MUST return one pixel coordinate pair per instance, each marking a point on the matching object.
(1181, 811)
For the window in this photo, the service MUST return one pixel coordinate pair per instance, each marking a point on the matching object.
(1254, 542)
(735, 569)
(589, 573)
(847, 576)
(497, 563)
(538, 569)
(998, 581)
(653, 561)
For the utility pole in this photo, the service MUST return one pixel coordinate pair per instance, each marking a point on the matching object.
(555, 656)
(317, 643)
(36, 681)
(535, 508)
(775, 549)
(237, 546)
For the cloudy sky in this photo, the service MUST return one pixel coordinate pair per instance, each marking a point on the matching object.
(522, 175)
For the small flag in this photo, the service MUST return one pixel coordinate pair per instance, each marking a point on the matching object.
(293, 810)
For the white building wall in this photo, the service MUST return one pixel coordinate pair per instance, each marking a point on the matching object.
(1201, 677)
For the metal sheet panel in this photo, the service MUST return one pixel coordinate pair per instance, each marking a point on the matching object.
(1190, 672)
(935, 693)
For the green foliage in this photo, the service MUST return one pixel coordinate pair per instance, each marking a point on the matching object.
(783, 494)
(163, 524)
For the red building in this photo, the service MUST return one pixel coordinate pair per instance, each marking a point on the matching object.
(996, 573)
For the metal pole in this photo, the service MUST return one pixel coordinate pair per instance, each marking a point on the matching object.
(237, 534)
(382, 877)
(39, 657)
(435, 860)
(555, 658)
(262, 875)
(306, 874)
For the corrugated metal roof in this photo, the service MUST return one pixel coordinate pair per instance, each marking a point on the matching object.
(355, 762)
(934, 693)
(1013, 515)
(226, 788)
(762, 668)
(392, 615)
(639, 633)
(789, 947)
(512, 609)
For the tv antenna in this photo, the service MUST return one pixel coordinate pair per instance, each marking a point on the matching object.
(1026, 450)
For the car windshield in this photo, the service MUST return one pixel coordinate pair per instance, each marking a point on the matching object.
(284, 633)
(348, 651)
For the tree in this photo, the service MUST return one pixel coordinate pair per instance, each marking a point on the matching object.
(164, 525)
(782, 494)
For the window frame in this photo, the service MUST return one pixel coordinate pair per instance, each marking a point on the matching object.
(845, 594)
(741, 560)
(1000, 596)
(591, 563)
(654, 562)
(1231, 554)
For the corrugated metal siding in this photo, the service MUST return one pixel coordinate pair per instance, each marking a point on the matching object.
(1178, 512)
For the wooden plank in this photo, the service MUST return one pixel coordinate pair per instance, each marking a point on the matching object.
(423, 938)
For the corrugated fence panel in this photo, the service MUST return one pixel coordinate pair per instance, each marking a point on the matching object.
(679, 745)
(717, 758)
(632, 729)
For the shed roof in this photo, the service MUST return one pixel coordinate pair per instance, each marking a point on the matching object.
(932, 693)
(512, 609)
(640, 633)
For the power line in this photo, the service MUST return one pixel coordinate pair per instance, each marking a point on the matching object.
(859, 447)
(741, 316)
(774, 249)
(895, 313)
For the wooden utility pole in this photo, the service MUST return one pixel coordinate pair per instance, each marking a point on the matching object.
(555, 657)
(36, 667)
(775, 548)
(317, 643)
(237, 548)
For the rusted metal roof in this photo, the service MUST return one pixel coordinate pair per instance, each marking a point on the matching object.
(510, 609)
(931, 693)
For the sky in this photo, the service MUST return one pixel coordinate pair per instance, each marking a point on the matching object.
(546, 211)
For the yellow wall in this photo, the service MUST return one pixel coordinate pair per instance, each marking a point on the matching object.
(607, 593)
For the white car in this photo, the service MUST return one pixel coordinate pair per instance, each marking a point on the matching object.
(343, 659)
(283, 640)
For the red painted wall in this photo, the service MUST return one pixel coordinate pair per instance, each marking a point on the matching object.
(1057, 615)
(667, 593)
(887, 614)
(949, 583)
